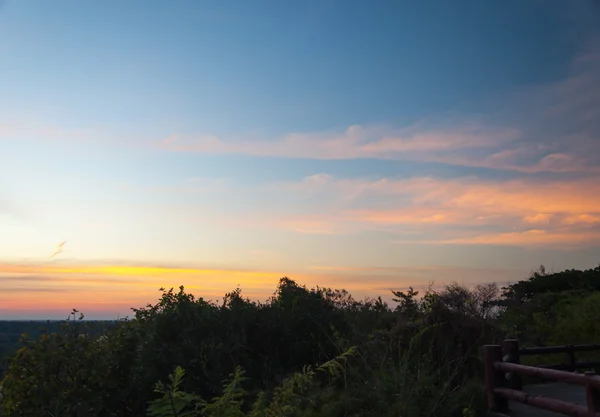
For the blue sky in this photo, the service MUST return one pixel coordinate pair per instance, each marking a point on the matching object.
(365, 145)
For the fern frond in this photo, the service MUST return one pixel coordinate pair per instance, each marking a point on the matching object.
(173, 403)
(230, 403)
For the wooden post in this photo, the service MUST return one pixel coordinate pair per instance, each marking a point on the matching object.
(571, 357)
(592, 394)
(511, 349)
(493, 378)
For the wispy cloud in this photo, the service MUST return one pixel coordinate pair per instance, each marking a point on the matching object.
(434, 205)
(547, 128)
(353, 142)
(567, 238)
(470, 145)
(577, 95)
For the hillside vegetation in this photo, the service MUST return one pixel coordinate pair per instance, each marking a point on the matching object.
(304, 352)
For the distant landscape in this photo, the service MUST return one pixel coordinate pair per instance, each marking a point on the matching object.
(11, 332)
(304, 352)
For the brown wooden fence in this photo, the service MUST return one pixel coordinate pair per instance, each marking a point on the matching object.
(503, 373)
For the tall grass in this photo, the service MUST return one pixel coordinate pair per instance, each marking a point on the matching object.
(409, 382)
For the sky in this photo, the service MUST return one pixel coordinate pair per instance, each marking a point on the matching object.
(365, 145)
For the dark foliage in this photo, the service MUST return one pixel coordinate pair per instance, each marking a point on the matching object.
(364, 357)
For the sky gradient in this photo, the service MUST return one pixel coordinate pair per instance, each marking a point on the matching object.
(359, 145)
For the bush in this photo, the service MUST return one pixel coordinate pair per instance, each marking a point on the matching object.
(304, 352)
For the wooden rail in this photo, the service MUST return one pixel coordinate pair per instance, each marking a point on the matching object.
(503, 378)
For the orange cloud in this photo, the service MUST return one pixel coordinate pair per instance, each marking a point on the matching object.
(524, 197)
(425, 204)
(532, 237)
(539, 218)
(433, 204)
(438, 200)
(582, 219)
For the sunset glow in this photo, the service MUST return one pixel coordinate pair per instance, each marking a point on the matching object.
(179, 148)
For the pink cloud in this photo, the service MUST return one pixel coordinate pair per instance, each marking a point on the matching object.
(354, 142)
(474, 146)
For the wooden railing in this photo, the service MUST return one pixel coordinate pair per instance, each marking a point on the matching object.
(503, 378)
